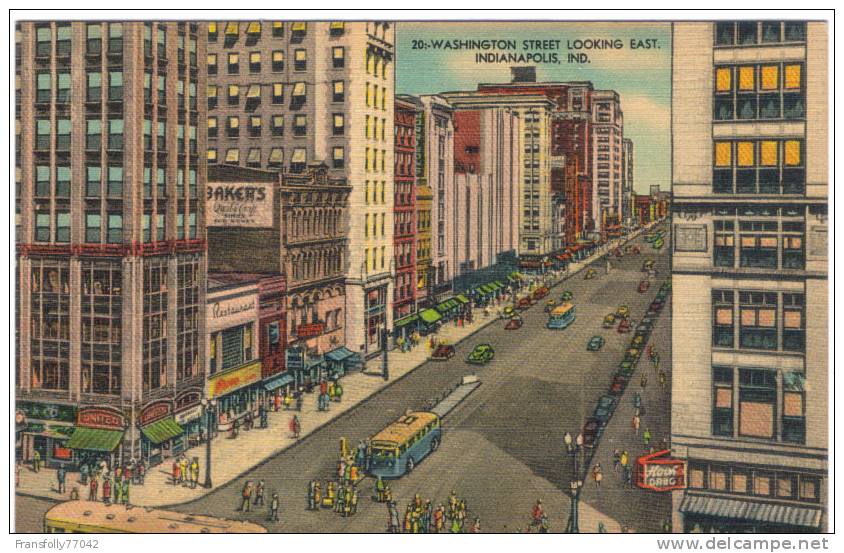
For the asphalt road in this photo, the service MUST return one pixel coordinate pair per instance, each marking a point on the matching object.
(502, 448)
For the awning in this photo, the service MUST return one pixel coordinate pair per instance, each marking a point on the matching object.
(94, 439)
(162, 430)
(404, 321)
(461, 298)
(339, 354)
(278, 381)
(751, 510)
(430, 316)
(499, 283)
(314, 362)
(447, 305)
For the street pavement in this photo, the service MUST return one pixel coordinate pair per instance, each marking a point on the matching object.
(502, 448)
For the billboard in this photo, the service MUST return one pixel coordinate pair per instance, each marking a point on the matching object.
(246, 205)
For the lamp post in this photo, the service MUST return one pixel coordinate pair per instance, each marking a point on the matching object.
(573, 527)
(210, 408)
(385, 371)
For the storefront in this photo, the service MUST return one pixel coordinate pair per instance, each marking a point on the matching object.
(238, 392)
(405, 326)
(430, 319)
(713, 514)
(341, 361)
(161, 436)
(189, 415)
(45, 428)
(98, 433)
(375, 314)
(279, 384)
(448, 309)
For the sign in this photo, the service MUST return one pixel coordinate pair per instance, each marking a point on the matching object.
(660, 473)
(310, 329)
(295, 360)
(188, 415)
(690, 238)
(47, 411)
(222, 384)
(234, 205)
(155, 411)
(232, 312)
(100, 417)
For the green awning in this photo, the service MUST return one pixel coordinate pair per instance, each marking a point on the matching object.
(461, 298)
(406, 321)
(494, 286)
(162, 430)
(487, 288)
(430, 316)
(94, 439)
(499, 283)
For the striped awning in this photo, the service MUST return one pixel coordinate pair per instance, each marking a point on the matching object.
(430, 316)
(94, 439)
(721, 507)
(162, 430)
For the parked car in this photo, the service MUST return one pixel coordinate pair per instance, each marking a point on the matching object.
(540, 293)
(619, 384)
(625, 368)
(523, 303)
(636, 250)
(589, 274)
(644, 327)
(513, 324)
(566, 296)
(643, 286)
(593, 429)
(508, 311)
(595, 343)
(550, 304)
(647, 265)
(622, 312)
(443, 352)
(637, 341)
(604, 409)
(624, 326)
(481, 355)
(633, 352)
(609, 321)
(617, 252)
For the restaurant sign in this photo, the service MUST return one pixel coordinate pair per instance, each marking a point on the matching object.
(660, 473)
(309, 330)
(231, 312)
(222, 384)
(155, 411)
(239, 205)
(101, 417)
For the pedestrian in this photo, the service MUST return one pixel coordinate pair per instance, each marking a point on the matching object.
(259, 493)
(476, 526)
(312, 503)
(666, 526)
(340, 500)
(142, 469)
(616, 460)
(644, 380)
(354, 506)
(636, 422)
(36, 461)
(118, 490)
(262, 412)
(276, 402)
(247, 495)
(597, 474)
(125, 491)
(347, 474)
(184, 475)
(74, 494)
(341, 469)
(392, 518)
(646, 437)
(338, 392)
(439, 519)
(663, 379)
(61, 474)
(92, 494)
(272, 516)
(107, 490)
(175, 471)
(83, 473)
(353, 474)
(194, 473)
(567, 440)
(17, 474)
(294, 427)
(235, 428)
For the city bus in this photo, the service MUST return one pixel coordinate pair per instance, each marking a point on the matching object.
(397, 449)
(561, 317)
(94, 517)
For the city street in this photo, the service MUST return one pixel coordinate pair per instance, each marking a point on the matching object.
(503, 447)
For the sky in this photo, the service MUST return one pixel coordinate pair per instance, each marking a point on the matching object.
(642, 77)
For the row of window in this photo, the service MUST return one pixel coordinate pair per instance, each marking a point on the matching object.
(375, 128)
(748, 480)
(253, 94)
(375, 258)
(300, 61)
(109, 227)
(766, 320)
(254, 158)
(748, 33)
(758, 167)
(254, 125)
(109, 183)
(765, 91)
(759, 244)
(375, 226)
(253, 29)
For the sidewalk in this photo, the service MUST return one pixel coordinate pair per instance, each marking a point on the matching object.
(260, 444)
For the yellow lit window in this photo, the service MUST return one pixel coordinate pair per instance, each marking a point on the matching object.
(338, 120)
(278, 56)
(723, 154)
(278, 25)
(792, 77)
(234, 90)
(254, 28)
(299, 27)
(232, 28)
(234, 58)
(233, 156)
(744, 154)
(254, 91)
(368, 95)
(212, 91)
(337, 25)
(723, 79)
(770, 77)
(255, 122)
(299, 89)
(366, 226)
(247, 336)
(234, 122)
(792, 152)
(212, 59)
(276, 156)
(212, 27)
(255, 57)
(212, 122)
(213, 347)
(300, 55)
(212, 155)
(746, 78)
(768, 153)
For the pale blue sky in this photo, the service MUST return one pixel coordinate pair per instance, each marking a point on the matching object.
(641, 77)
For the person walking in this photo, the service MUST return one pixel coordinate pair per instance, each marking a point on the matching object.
(636, 422)
(194, 473)
(83, 474)
(379, 489)
(272, 515)
(61, 474)
(107, 490)
(597, 474)
(439, 519)
(294, 427)
(616, 460)
(646, 437)
(36, 461)
(259, 493)
(663, 379)
(184, 475)
(392, 518)
(125, 491)
(339, 501)
(17, 474)
(644, 380)
(92, 493)
(118, 490)
(176, 469)
(476, 526)
(312, 503)
(247, 496)
(354, 507)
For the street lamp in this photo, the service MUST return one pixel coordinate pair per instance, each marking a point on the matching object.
(573, 527)
(210, 408)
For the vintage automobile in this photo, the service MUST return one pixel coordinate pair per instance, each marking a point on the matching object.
(636, 250)
(644, 326)
(633, 353)
(566, 296)
(622, 312)
(593, 429)
(604, 409)
(609, 321)
(643, 286)
(550, 304)
(524, 303)
(481, 355)
(624, 326)
(443, 352)
(617, 252)
(625, 368)
(619, 384)
(508, 311)
(637, 340)
(540, 293)
(595, 343)
(590, 274)
(647, 265)
(513, 324)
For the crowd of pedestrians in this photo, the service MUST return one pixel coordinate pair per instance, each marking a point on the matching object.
(421, 517)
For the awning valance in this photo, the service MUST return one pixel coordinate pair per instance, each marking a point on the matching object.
(720, 507)
(278, 381)
(94, 439)
(404, 321)
(339, 354)
(162, 430)
(461, 299)
(430, 316)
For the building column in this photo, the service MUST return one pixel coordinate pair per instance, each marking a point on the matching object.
(75, 314)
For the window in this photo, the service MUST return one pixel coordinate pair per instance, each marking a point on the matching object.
(795, 31)
(233, 126)
(255, 126)
(746, 33)
(42, 181)
(44, 89)
(298, 29)
(180, 226)
(43, 40)
(212, 64)
(62, 226)
(764, 91)
(212, 31)
(42, 227)
(234, 94)
(162, 90)
(63, 134)
(42, 134)
(278, 60)
(758, 167)
(793, 254)
(234, 348)
(212, 96)
(63, 181)
(253, 158)
(63, 88)
(93, 221)
(278, 93)
(94, 39)
(115, 181)
(339, 91)
(276, 159)
(300, 60)
(278, 29)
(793, 323)
(724, 251)
(299, 94)
(234, 63)
(338, 57)
(758, 320)
(93, 181)
(758, 244)
(211, 155)
(146, 225)
(162, 42)
(161, 182)
(159, 227)
(115, 86)
(232, 31)
(147, 134)
(115, 38)
(162, 136)
(793, 407)
(255, 62)
(722, 401)
(757, 403)
(336, 28)
(299, 160)
(277, 125)
(212, 127)
(339, 124)
(253, 30)
(300, 124)
(147, 182)
(115, 134)
(233, 156)
(339, 157)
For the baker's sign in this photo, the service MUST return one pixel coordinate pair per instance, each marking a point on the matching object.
(246, 205)
(660, 473)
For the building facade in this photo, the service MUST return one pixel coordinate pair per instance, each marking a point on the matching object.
(608, 122)
(284, 94)
(404, 234)
(111, 246)
(627, 182)
(750, 288)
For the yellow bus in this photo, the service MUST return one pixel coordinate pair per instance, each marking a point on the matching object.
(93, 517)
(397, 449)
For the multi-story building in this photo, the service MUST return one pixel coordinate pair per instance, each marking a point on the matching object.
(627, 182)
(750, 326)
(424, 208)
(284, 94)
(404, 234)
(608, 133)
(487, 163)
(110, 242)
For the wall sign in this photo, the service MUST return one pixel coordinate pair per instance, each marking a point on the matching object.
(246, 205)
(690, 238)
(660, 473)
(231, 312)
(155, 411)
(100, 417)
(309, 330)
(47, 411)
(228, 382)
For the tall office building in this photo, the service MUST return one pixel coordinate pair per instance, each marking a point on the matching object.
(284, 94)
(627, 182)
(404, 302)
(608, 125)
(110, 236)
(750, 290)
